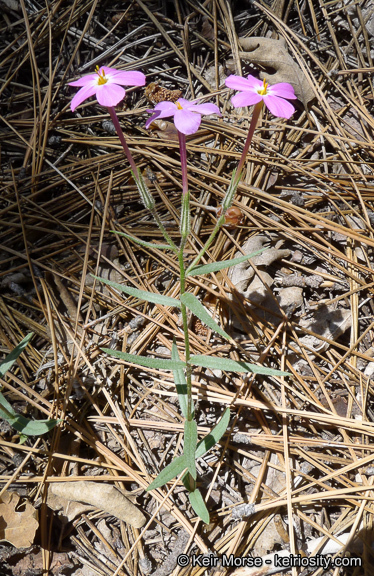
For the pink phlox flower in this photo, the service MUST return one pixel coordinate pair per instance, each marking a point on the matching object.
(106, 84)
(186, 115)
(253, 90)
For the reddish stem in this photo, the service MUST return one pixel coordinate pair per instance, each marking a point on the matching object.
(256, 113)
(121, 136)
(183, 155)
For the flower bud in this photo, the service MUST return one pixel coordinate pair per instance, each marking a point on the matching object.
(233, 217)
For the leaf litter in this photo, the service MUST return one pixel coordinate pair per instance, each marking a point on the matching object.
(307, 189)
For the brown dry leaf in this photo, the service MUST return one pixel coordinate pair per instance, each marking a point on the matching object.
(68, 509)
(17, 528)
(243, 275)
(273, 54)
(102, 496)
(165, 130)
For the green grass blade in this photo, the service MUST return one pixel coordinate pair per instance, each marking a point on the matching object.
(214, 435)
(200, 311)
(6, 410)
(142, 242)
(215, 266)
(141, 294)
(216, 363)
(33, 427)
(169, 472)
(180, 382)
(190, 441)
(14, 354)
(158, 363)
(199, 506)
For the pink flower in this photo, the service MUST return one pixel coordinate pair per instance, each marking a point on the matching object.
(106, 84)
(187, 115)
(254, 90)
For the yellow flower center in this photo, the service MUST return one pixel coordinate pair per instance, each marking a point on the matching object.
(179, 106)
(263, 89)
(102, 80)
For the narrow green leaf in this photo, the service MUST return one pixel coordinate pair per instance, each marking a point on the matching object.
(189, 449)
(6, 410)
(215, 266)
(141, 294)
(24, 425)
(201, 312)
(214, 435)
(180, 382)
(145, 361)
(33, 427)
(142, 242)
(14, 354)
(169, 472)
(188, 481)
(199, 506)
(216, 363)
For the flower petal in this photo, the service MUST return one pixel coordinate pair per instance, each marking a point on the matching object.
(207, 108)
(110, 95)
(85, 80)
(283, 89)
(151, 118)
(108, 71)
(187, 122)
(162, 110)
(82, 95)
(239, 83)
(166, 106)
(127, 77)
(246, 99)
(278, 106)
(185, 103)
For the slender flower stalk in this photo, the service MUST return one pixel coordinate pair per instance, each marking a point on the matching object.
(187, 119)
(106, 84)
(183, 156)
(255, 116)
(257, 93)
(122, 139)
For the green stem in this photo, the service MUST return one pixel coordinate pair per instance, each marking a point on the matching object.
(252, 127)
(186, 337)
(207, 244)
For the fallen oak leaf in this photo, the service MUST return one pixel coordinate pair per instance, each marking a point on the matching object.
(18, 528)
(273, 53)
(103, 496)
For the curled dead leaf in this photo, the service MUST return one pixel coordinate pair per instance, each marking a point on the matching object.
(273, 53)
(165, 130)
(102, 496)
(18, 528)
